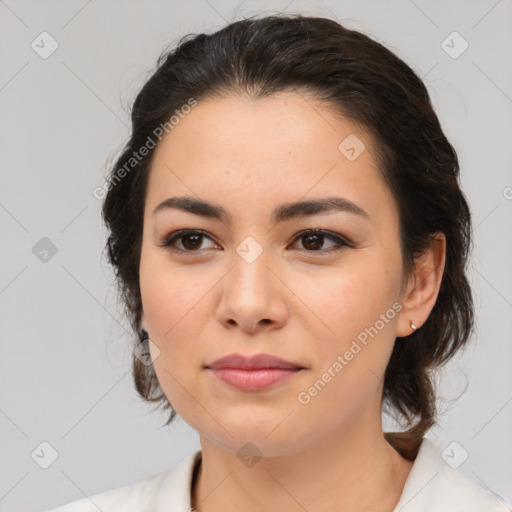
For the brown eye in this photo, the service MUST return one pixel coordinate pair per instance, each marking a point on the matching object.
(314, 239)
(313, 242)
(190, 240)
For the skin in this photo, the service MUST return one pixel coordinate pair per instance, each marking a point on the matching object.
(249, 156)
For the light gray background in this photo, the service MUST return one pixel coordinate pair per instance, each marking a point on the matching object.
(65, 359)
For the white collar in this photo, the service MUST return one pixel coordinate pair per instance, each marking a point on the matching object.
(432, 485)
(174, 492)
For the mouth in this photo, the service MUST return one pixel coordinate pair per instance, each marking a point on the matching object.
(254, 373)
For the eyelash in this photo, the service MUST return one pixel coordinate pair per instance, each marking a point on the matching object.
(341, 242)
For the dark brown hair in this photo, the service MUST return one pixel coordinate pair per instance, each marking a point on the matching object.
(367, 84)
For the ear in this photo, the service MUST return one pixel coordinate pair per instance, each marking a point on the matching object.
(423, 288)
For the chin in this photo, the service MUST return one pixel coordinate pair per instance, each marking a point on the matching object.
(260, 437)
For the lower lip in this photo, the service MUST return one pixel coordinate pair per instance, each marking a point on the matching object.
(254, 380)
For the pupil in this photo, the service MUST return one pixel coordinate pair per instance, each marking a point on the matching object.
(194, 246)
(314, 237)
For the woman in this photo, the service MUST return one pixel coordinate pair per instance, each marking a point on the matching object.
(290, 240)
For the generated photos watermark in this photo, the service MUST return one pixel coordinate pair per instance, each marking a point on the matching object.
(143, 151)
(304, 397)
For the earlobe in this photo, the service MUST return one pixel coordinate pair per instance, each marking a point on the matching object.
(421, 296)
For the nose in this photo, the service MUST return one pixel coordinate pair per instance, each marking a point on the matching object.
(253, 297)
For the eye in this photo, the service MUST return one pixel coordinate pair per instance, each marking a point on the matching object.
(313, 239)
(190, 240)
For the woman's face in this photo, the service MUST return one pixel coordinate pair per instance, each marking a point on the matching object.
(249, 285)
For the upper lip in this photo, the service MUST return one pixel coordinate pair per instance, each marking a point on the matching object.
(252, 362)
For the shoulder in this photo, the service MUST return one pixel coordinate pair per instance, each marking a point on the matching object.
(143, 495)
(434, 485)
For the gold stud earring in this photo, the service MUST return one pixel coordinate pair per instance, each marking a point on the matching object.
(413, 327)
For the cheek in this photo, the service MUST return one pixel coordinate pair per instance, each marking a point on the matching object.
(172, 307)
(168, 294)
(355, 306)
(346, 301)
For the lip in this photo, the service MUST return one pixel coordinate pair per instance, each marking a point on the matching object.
(255, 362)
(254, 373)
(255, 380)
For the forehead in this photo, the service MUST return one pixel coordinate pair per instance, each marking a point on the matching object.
(250, 151)
(276, 125)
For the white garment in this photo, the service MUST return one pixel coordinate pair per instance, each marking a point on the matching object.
(432, 486)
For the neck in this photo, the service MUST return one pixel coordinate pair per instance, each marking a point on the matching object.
(356, 472)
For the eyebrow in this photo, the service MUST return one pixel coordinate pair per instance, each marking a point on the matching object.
(282, 213)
